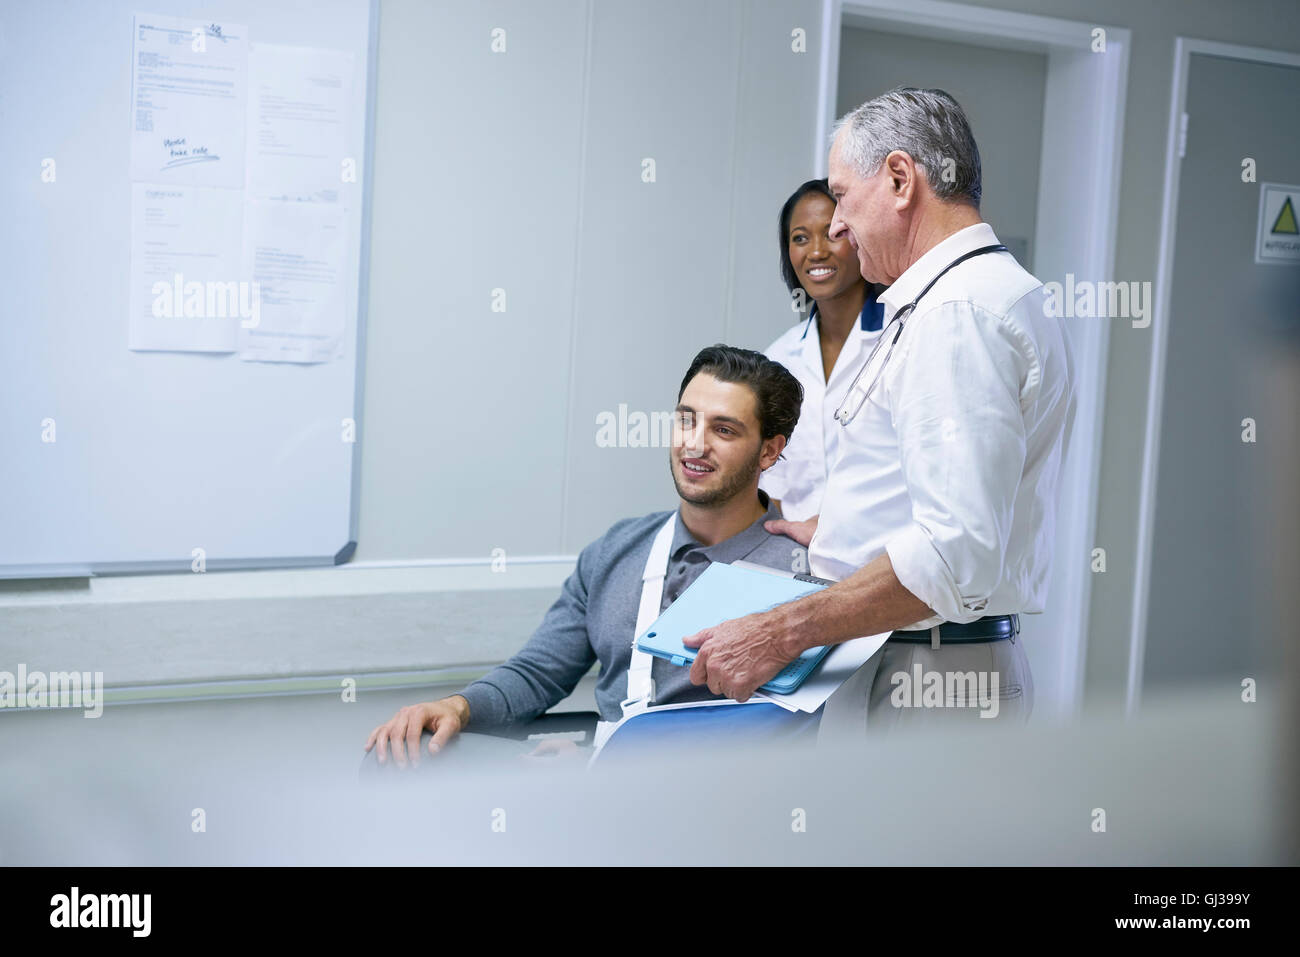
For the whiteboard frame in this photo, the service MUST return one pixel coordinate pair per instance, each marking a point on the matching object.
(88, 569)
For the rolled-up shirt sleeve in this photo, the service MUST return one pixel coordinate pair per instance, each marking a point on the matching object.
(956, 405)
(547, 669)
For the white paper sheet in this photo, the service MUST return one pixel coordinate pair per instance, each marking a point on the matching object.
(296, 255)
(836, 668)
(188, 101)
(299, 123)
(185, 267)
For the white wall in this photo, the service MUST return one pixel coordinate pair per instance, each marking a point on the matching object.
(522, 171)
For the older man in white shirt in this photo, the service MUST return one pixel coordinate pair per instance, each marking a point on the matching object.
(938, 515)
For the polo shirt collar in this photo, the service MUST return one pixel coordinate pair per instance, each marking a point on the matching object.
(915, 277)
(730, 549)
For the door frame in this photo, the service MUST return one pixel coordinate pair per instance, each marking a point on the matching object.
(1175, 144)
(1079, 158)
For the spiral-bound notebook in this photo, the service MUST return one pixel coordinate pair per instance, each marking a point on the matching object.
(723, 592)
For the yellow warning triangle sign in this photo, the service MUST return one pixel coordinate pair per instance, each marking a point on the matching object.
(1285, 222)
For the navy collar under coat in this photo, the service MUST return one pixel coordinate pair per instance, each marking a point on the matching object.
(870, 320)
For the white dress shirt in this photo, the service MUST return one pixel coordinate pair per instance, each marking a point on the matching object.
(951, 466)
(799, 478)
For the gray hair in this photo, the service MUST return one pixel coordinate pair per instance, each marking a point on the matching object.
(929, 126)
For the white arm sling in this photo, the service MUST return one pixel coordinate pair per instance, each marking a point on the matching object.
(640, 684)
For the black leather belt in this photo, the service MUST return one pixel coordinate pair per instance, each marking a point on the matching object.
(994, 628)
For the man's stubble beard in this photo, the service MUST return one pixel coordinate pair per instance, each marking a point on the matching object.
(732, 487)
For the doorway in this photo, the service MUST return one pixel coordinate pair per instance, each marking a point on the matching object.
(1002, 92)
(1074, 83)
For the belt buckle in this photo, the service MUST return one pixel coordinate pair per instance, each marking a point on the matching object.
(934, 638)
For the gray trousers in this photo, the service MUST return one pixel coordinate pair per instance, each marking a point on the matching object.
(906, 686)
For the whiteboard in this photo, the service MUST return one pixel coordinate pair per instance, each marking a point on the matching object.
(154, 454)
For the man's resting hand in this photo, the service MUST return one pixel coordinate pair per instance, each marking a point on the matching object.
(445, 718)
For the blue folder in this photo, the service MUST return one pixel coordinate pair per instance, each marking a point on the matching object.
(723, 592)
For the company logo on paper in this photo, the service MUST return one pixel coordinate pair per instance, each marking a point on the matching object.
(179, 299)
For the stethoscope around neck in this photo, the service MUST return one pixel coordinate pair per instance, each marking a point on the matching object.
(858, 393)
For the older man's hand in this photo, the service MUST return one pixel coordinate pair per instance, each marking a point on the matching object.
(738, 656)
(801, 532)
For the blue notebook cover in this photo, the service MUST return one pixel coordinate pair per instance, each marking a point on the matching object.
(723, 592)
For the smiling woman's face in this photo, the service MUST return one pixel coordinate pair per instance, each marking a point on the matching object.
(825, 267)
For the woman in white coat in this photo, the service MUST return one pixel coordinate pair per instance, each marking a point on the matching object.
(823, 350)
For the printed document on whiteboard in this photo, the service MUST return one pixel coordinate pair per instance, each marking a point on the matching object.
(189, 87)
(295, 255)
(299, 123)
(185, 263)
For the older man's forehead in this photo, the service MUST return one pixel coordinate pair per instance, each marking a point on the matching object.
(837, 171)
